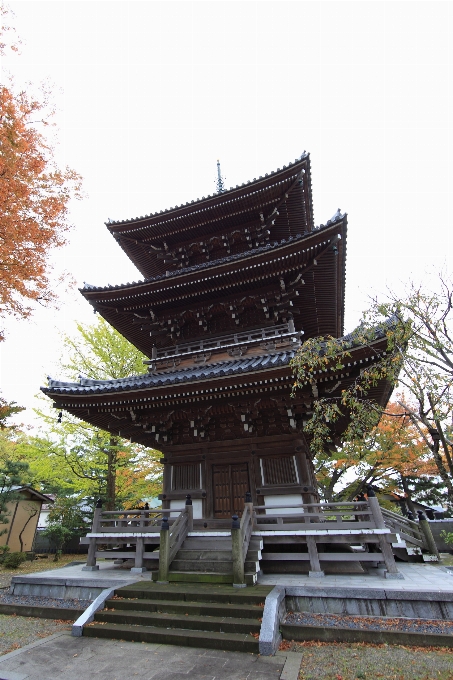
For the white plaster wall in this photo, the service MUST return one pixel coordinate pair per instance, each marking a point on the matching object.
(281, 501)
(197, 504)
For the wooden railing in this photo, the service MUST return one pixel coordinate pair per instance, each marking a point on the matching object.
(356, 515)
(408, 530)
(172, 537)
(119, 521)
(241, 532)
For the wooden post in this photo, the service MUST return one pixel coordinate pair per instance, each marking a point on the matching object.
(164, 552)
(189, 510)
(248, 504)
(315, 567)
(424, 526)
(91, 557)
(386, 548)
(139, 550)
(236, 546)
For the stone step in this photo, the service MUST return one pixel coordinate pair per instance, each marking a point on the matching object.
(217, 609)
(204, 593)
(214, 555)
(168, 619)
(205, 577)
(238, 642)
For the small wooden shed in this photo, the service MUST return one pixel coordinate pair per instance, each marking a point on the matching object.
(23, 514)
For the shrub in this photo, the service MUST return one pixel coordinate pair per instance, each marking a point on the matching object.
(14, 560)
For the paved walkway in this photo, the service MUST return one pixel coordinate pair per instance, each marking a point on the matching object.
(62, 657)
(423, 576)
(417, 577)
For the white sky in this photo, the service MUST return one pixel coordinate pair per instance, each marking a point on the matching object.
(150, 94)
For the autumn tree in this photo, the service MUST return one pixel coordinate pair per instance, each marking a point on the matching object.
(418, 357)
(34, 199)
(89, 459)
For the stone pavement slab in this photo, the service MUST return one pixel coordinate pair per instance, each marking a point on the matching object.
(417, 578)
(64, 657)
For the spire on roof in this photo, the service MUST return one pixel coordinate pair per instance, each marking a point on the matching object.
(220, 182)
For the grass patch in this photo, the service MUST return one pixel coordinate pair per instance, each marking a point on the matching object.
(36, 566)
(359, 661)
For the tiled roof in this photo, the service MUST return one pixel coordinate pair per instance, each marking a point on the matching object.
(195, 373)
(163, 378)
(111, 223)
(338, 217)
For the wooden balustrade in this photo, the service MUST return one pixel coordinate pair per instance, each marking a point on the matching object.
(241, 532)
(172, 537)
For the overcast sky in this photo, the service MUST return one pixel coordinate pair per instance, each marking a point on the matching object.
(150, 94)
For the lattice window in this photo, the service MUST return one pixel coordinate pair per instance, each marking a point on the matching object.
(185, 477)
(279, 471)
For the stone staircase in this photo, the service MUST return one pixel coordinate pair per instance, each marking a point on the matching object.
(183, 614)
(208, 559)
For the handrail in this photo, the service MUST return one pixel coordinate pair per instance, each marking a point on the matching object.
(171, 539)
(409, 530)
(241, 533)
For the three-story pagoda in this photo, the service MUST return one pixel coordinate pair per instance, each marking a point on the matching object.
(232, 285)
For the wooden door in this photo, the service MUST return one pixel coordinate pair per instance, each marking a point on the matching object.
(229, 485)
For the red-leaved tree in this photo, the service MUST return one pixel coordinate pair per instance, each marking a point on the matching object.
(34, 198)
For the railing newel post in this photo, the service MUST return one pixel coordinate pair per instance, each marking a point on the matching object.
(427, 533)
(164, 550)
(236, 548)
(189, 511)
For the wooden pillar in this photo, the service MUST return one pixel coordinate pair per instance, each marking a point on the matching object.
(315, 567)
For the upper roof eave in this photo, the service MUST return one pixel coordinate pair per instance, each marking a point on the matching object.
(137, 223)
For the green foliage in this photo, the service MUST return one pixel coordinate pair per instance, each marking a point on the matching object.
(447, 536)
(99, 352)
(7, 410)
(4, 550)
(68, 513)
(75, 458)
(57, 534)
(318, 355)
(14, 560)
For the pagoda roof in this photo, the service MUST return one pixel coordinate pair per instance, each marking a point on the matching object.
(219, 212)
(109, 404)
(124, 305)
(87, 386)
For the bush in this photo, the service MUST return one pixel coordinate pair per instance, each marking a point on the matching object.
(4, 550)
(14, 560)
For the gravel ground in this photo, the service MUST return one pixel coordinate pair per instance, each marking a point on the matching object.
(18, 631)
(42, 601)
(342, 661)
(370, 623)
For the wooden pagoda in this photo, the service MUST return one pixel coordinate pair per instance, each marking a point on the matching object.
(232, 284)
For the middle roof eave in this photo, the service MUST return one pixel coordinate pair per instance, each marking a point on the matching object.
(225, 267)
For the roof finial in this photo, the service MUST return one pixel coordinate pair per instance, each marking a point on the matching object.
(220, 182)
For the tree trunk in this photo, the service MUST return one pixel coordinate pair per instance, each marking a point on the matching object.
(111, 475)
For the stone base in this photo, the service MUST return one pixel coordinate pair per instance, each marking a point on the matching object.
(392, 575)
(239, 585)
(95, 568)
(316, 574)
(138, 570)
